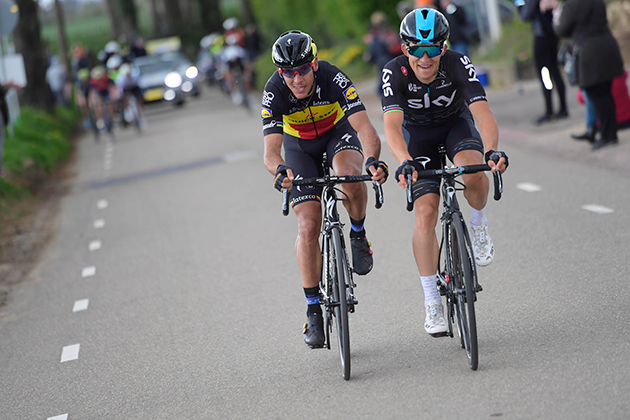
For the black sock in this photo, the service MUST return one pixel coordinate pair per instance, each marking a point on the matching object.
(312, 300)
(357, 229)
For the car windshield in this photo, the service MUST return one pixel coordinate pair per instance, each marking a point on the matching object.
(154, 66)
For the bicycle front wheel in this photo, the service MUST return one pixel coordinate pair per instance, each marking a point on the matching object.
(341, 304)
(462, 273)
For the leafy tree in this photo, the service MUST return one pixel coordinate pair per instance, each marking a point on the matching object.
(29, 43)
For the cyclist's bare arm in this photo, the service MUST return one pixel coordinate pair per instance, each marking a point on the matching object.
(396, 142)
(369, 139)
(273, 157)
(488, 129)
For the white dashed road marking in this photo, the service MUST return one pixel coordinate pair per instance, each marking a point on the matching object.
(88, 271)
(80, 305)
(101, 204)
(70, 353)
(59, 417)
(99, 223)
(596, 208)
(526, 186)
(94, 245)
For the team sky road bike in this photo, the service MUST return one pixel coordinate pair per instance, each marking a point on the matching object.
(336, 286)
(457, 273)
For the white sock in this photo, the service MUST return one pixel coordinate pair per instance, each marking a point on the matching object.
(478, 217)
(431, 294)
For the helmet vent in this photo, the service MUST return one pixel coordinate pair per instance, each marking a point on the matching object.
(425, 33)
(425, 13)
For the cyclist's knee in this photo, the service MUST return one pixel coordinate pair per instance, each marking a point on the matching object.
(348, 162)
(426, 211)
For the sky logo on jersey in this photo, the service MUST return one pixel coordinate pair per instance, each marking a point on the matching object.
(351, 93)
(265, 113)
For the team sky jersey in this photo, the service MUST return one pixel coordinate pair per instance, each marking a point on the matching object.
(455, 86)
(334, 99)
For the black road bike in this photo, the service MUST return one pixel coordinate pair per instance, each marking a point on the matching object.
(336, 286)
(457, 272)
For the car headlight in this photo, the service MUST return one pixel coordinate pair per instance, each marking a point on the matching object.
(192, 72)
(173, 80)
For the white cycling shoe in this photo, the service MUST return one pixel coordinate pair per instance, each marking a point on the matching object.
(482, 245)
(435, 324)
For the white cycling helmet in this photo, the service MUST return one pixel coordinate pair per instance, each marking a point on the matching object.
(112, 47)
(114, 62)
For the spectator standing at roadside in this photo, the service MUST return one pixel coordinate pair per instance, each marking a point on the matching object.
(599, 60)
(546, 58)
(383, 43)
(4, 118)
(456, 16)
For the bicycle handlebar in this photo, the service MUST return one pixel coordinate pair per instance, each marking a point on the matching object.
(455, 171)
(330, 180)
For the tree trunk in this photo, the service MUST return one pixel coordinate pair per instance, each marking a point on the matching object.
(211, 19)
(247, 13)
(29, 43)
(129, 13)
(64, 56)
(114, 18)
(174, 17)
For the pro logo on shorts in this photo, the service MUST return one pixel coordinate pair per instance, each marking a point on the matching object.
(265, 113)
(351, 93)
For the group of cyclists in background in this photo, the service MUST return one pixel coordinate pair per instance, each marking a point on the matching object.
(105, 84)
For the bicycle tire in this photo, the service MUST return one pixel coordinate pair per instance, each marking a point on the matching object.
(464, 302)
(341, 306)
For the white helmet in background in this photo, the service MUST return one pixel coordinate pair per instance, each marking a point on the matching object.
(114, 62)
(112, 47)
(125, 69)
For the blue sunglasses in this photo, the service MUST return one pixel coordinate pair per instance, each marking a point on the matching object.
(418, 50)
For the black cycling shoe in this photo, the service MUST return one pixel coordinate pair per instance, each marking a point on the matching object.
(361, 255)
(314, 331)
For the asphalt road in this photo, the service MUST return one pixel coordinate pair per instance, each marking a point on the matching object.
(171, 290)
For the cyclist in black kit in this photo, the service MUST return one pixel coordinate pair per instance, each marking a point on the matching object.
(430, 95)
(310, 107)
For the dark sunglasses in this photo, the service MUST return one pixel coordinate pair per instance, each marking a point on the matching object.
(302, 70)
(418, 50)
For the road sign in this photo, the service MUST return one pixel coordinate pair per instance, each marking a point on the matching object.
(8, 16)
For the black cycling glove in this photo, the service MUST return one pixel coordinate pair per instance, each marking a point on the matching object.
(281, 173)
(494, 156)
(378, 164)
(405, 169)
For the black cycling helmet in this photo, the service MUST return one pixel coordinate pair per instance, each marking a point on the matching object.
(424, 26)
(293, 49)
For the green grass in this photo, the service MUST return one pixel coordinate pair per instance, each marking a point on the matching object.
(40, 143)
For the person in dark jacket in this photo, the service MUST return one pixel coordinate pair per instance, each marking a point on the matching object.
(599, 60)
(546, 59)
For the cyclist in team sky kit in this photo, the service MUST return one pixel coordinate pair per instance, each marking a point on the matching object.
(310, 107)
(430, 96)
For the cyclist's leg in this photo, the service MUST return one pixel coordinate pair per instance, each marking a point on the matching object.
(346, 157)
(464, 147)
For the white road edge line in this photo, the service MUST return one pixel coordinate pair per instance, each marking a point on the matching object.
(596, 208)
(80, 305)
(528, 187)
(59, 417)
(94, 245)
(88, 271)
(70, 353)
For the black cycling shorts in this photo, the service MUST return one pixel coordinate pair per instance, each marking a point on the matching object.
(305, 157)
(424, 143)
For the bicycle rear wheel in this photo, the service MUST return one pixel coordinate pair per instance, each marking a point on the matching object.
(462, 272)
(341, 305)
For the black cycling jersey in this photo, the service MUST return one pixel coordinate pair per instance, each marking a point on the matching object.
(455, 86)
(333, 99)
